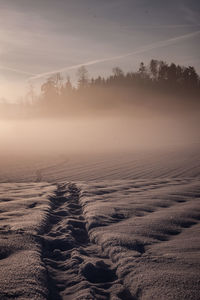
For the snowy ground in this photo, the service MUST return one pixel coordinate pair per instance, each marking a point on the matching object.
(24, 209)
(182, 162)
(150, 231)
(121, 228)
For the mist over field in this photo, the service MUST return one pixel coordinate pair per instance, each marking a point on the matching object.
(100, 150)
(93, 135)
(99, 194)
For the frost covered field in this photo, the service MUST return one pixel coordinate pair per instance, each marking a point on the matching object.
(120, 227)
(99, 150)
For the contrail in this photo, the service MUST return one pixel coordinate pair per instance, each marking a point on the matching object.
(17, 71)
(163, 26)
(146, 48)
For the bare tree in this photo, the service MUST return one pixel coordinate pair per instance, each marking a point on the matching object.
(83, 77)
(117, 72)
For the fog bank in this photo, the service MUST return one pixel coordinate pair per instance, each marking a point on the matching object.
(96, 135)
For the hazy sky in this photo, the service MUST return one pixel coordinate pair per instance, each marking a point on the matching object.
(43, 36)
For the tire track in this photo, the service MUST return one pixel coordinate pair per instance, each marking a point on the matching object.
(76, 268)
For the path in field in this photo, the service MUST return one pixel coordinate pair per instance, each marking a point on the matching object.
(76, 268)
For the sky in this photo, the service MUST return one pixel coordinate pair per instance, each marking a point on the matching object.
(41, 37)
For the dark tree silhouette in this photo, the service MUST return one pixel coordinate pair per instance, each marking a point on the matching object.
(83, 77)
(117, 72)
(154, 69)
(49, 90)
(156, 77)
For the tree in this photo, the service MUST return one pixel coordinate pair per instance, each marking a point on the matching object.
(49, 89)
(83, 77)
(117, 72)
(31, 96)
(172, 74)
(66, 89)
(58, 79)
(193, 77)
(179, 75)
(154, 69)
(68, 85)
(142, 71)
(162, 71)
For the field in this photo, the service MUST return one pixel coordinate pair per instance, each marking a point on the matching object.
(99, 150)
(116, 227)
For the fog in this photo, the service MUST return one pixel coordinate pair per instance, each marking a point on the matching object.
(93, 135)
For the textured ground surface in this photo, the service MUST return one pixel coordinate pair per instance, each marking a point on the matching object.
(125, 228)
(106, 240)
(23, 214)
(174, 163)
(150, 231)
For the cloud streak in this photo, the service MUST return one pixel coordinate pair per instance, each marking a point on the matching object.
(164, 26)
(143, 49)
(17, 71)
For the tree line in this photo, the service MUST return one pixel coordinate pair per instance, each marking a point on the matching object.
(157, 84)
(157, 76)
